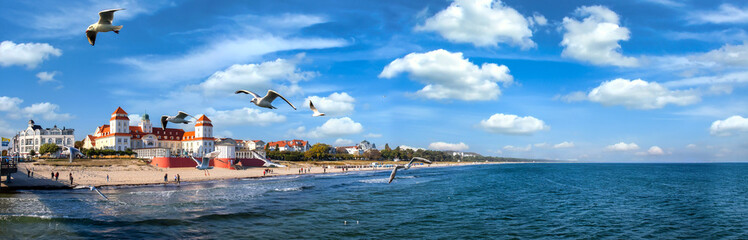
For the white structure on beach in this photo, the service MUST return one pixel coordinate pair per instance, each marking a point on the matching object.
(34, 136)
(119, 135)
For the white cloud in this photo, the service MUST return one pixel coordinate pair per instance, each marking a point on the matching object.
(639, 94)
(335, 127)
(336, 104)
(513, 124)
(343, 142)
(9, 103)
(46, 76)
(564, 145)
(244, 116)
(203, 61)
(29, 54)
(224, 134)
(443, 146)
(540, 145)
(46, 111)
(373, 135)
(5, 129)
(622, 146)
(729, 78)
(656, 151)
(595, 38)
(691, 146)
(669, 3)
(572, 97)
(727, 55)
(727, 13)
(732, 125)
(518, 149)
(255, 77)
(450, 76)
(135, 119)
(538, 19)
(70, 18)
(721, 36)
(482, 23)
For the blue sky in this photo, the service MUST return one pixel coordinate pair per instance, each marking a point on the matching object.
(648, 80)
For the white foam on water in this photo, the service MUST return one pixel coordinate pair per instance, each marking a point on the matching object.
(288, 189)
(375, 180)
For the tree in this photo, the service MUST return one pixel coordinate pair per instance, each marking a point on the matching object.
(32, 152)
(318, 151)
(78, 144)
(373, 154)
(387, 152)
(48, 148)
(267, 147)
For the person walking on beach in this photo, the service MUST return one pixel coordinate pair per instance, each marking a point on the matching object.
(179, 179)
(28, 173)
(57, 176)
(53, 175)
(107, 178)
(166, 177)
(71, 178)
(175, 178)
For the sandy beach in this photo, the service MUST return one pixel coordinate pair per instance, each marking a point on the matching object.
(151, 175)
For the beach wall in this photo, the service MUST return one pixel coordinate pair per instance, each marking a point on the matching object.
(173, 162)
(180, 162)
(252, 162)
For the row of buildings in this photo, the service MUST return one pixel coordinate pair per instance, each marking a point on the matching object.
(119, 135)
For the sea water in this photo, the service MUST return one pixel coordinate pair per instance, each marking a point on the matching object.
(525, 201)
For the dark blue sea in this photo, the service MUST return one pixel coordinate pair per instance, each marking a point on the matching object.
(508, 201)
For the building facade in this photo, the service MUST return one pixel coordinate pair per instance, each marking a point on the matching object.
(366, 146)
(34, 136)
(290, 145)
(119, 135)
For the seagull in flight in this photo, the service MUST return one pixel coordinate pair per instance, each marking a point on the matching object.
(179, 118)
(104, 25)
(205, 163)
(314, 109)
(406, 167)
(267, 100)
(72, 151)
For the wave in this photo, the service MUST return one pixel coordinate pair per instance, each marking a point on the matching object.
(375, 180)
(291, 189)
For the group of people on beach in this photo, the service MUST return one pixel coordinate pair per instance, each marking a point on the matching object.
(177, 178)
(267, 171)
(305, 170)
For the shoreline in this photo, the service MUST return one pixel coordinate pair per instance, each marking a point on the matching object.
(125, 176)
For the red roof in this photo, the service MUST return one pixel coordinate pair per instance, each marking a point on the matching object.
(290, 143)
(119, 111)
(203, 118)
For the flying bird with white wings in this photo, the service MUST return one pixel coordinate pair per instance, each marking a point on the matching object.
(406, 167)
(104, 25)
(181, 117)
(267, 100)
(314, 109)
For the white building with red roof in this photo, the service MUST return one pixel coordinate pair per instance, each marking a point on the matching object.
(119, 135)
(290, 145)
